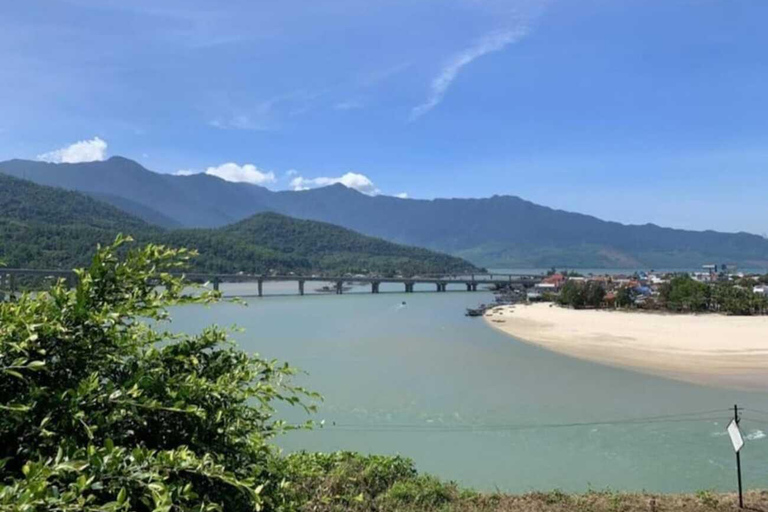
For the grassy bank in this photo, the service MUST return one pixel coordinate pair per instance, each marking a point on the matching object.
(353, 482)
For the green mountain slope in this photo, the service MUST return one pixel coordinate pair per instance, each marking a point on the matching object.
(45, 227)
(501, 231)
(269, 240)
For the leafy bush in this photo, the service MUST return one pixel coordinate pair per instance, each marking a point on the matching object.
(350, 481)
(421, 493)
(580, 295)
(101, 411)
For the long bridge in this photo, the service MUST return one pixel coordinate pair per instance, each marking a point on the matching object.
(9, 280)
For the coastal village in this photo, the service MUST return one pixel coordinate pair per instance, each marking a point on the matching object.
(646, 289)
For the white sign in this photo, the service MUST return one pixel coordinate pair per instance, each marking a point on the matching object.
(735, 433)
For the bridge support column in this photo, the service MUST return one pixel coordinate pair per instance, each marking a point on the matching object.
(375, 287)
(339, 287)
(12, 286)
(216, 283)
(408, 287)
(261, 287)
(301, 287)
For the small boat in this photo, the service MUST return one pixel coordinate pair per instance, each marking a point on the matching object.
(475, 311)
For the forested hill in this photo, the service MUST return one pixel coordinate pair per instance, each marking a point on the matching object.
(46, 227)
(500, 231)
(24, 201)
(308, 244)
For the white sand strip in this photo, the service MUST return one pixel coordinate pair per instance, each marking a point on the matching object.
(707, 349)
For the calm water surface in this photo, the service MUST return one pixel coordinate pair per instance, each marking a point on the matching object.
(471, 404)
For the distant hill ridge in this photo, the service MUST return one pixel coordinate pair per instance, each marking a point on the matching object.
(52, 228)
(500, 231)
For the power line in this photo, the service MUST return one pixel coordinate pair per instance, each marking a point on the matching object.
(670, 418)
(758, 411)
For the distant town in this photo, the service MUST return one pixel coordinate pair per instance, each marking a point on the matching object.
(715, 288)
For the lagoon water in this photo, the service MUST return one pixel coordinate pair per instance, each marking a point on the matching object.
(471, 404)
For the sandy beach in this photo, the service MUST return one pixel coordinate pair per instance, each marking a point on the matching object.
(705, 349)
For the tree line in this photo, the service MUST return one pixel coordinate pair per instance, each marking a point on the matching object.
(681, 294)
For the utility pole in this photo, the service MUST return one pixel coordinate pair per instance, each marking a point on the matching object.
(738, 457)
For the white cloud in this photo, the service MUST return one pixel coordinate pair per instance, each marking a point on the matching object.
(402, 195)
(247, 173)
(94, 150)
(185, 172)
(491, 43)
(291, 172)
(359, 182)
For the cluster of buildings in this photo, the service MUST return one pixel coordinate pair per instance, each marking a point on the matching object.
(644, 285)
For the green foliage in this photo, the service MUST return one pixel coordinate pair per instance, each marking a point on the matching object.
(101, 411)
(349, 481)
(736, 300)
(625, 297)
(579, 295)
(269, 241)
(423, 492)
(43, 227)
(708, 498)
(683, 293)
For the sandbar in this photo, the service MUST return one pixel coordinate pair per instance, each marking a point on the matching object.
(725, 351)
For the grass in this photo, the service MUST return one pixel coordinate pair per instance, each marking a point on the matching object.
(352, 482)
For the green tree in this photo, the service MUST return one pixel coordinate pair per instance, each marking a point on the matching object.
(594, 294)
(580, 295)
(625, 297)
(572, 294)
(101, 411)
(683, 293)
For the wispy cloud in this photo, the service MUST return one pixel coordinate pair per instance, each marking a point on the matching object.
(380, 75)
(265, 115)
(349, 105)
(493, 42)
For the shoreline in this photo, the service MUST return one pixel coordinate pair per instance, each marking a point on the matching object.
(710, 349)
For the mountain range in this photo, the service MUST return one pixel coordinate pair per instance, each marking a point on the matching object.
(499, 232)
(52, 228)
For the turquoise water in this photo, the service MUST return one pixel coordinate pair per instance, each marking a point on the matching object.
(471, 404)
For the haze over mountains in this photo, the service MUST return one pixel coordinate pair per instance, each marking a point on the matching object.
(501, 231)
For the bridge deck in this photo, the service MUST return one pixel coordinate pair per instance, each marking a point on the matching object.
(8, 279)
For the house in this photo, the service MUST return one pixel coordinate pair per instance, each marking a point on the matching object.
(761, 289)
(546, 288)
(556, 279)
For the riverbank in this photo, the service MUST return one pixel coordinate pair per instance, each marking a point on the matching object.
(353, 482)
(704, 349)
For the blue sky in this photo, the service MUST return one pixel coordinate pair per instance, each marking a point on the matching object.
(631, 110)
